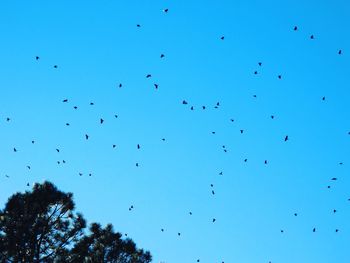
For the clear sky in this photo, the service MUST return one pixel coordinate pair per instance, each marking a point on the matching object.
(97, 45)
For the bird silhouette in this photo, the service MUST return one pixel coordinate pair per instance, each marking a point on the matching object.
(86, 136)
(286, 138)
(295, 28)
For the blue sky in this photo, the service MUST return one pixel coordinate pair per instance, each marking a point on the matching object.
(97, 45)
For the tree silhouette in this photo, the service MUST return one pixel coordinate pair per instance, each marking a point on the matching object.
(41, 226)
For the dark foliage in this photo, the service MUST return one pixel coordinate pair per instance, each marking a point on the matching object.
(41, 226)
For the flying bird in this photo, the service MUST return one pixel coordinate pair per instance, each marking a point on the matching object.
(101, 120)
(295, 28)
(286, 138)
(86, 136)
(148, 76)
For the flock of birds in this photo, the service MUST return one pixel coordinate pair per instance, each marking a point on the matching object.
(185, 103)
